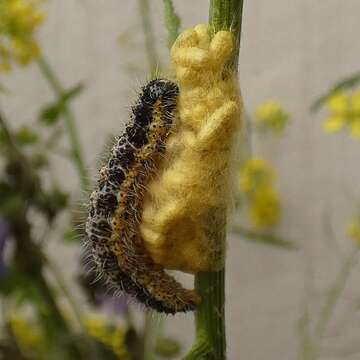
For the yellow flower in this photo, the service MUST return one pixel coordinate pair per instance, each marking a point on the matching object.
(18, 21)
(271, 116)
(28, 336)
(353, 230)
(256, 181)
(105, 332)
(344, 113)
(96, 325)
(265, 208)
(255, 174)
(118, 344)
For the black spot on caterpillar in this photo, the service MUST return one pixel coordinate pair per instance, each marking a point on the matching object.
(115, 207)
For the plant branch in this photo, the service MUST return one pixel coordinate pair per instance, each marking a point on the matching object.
(172, 22)
(227, 15)
(147, 25)
(210, 343)
(210, 340)
(263, 238)
(153, 324)
(70, 123)
(65, 290)
(331, 301)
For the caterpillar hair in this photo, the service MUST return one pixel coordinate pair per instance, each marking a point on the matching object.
(115, 207)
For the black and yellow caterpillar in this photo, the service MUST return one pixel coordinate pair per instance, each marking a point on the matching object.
(115, 207)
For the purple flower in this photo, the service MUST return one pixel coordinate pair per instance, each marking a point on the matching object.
(115, 304)
(4, 234)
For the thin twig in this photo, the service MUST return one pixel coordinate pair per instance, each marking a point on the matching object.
(172, 22)
(263, 238)
(70, 123)
(332, 299)
(150, 44)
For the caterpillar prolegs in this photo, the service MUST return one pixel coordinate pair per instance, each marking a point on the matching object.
(115, 207)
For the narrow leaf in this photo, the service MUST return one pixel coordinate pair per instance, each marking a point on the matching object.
(172, 22)
(345, 84)
(25, 136)
(50, 114)
(264, 238)
(73, 92)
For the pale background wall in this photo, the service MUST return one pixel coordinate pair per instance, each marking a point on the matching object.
(291, 51)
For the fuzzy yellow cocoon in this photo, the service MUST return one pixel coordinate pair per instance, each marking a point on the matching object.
(187, 201)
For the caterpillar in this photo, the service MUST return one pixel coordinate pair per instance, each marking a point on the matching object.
(115, 207)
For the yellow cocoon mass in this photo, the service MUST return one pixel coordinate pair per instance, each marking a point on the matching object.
(187, 200)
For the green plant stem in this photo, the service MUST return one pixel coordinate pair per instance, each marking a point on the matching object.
(304, 334)
(227, 15)
(59, 278)
(200, 350)
(263, 238)
(210, 317)
(348, 83)
(151, 332)
(70, 123)
(65, 290)
(151, 53)
(210, 342)
(172, 22)
(331, 301)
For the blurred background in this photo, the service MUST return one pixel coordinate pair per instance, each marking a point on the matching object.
(69, 71)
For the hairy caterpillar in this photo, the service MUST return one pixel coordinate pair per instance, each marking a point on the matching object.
(115, 207)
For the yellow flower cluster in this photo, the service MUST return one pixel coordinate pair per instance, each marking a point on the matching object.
(109, 335)
(353, 230)
(255, 174)
(28, 336)
(344, 113)
(271, 116)
(18, 21)
(256, 182)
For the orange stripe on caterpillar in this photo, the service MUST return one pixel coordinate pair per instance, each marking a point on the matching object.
(115, 207)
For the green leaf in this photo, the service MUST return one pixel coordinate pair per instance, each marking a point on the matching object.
(11, 201)
(11, 204)
(14, 283)
(73, 92)
(25, 136)
(50, 114)
(172, 22)
(59, 198)
(347, 83)
(54, 201)
(8, 284)
(264, 238)
(22, 287)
